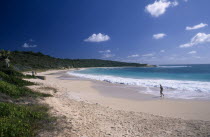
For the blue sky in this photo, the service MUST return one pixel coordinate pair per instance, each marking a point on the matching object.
(143, 31)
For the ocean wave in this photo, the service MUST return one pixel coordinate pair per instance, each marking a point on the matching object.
(172, 88)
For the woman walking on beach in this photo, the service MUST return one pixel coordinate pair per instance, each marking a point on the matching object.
(161, 91)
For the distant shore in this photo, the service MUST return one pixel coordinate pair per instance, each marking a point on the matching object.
(96, 108)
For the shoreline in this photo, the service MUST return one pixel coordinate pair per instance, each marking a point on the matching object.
(118, 96)
(95, 108)
(173, 89)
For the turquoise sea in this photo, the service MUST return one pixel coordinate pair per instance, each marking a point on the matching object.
(179, 81)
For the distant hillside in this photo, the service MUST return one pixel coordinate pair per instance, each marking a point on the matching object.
(29, 60)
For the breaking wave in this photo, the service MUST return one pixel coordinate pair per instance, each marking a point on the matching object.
(179, 89)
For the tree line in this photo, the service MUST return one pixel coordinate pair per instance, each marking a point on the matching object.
(28, 60)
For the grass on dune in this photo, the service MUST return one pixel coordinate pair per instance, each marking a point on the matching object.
(17, 92)
(12, 72)
(21, 120)
(14, 80)
(12, 84)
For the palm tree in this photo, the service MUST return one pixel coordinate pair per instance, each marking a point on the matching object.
(4, 55)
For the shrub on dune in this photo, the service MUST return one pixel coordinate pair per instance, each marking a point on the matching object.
(21, 120)
(14, 80)
(16, 92)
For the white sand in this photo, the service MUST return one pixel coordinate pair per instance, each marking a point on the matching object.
(87, 111)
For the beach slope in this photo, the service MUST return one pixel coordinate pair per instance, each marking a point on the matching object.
(85, 110)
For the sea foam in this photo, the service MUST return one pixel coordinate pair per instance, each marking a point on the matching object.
(179, 89)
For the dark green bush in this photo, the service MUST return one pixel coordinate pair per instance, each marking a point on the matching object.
(21, 120)
(14, 80)
(29, 76)
(21, 111)
(16, 92)
(11, 72)
(14, 127)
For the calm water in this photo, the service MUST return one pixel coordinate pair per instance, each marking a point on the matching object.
(179, 81)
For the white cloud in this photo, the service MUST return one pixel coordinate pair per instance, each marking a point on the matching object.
(192, 52)
(186, 45)
(201, 25)
(148, 55)
(197, 57)
(159, 36)
(159, 7)
(199, 38)
(106, 54)
(175, 3)
(105, 51)
(97, 38)
(26, 45)
(133, 56)
(162, 51)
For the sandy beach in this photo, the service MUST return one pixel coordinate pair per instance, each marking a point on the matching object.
(91, 108)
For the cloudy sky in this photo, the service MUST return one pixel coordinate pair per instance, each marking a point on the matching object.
(144, 31)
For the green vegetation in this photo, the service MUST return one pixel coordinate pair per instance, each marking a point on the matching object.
(4, 55)
(13, 85)
(18, 120)
(17, 92)
(21, 120)
(12, 72)
(14, 80)
(30, 60)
